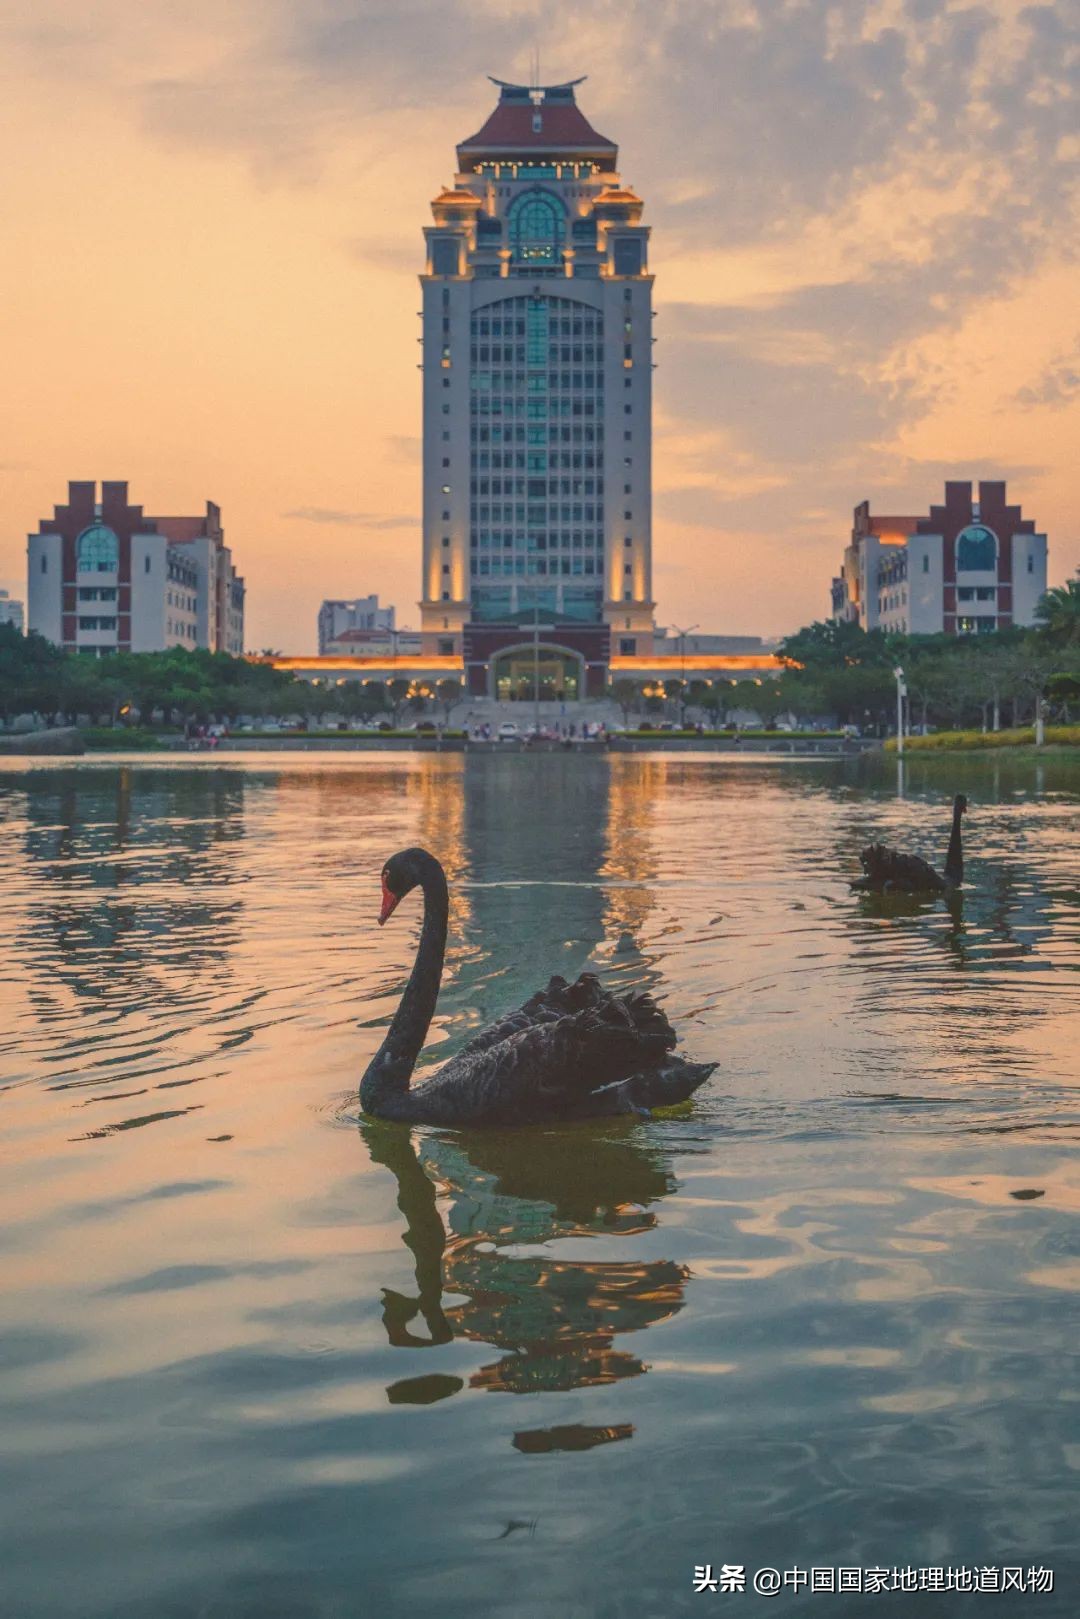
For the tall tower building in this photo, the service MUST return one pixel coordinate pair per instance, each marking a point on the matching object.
(537, 347)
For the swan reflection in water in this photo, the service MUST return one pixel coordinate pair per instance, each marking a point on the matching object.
(554, 1320)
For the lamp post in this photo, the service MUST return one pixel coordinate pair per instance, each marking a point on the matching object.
(682, 634)
(901, 693)
(536, 669)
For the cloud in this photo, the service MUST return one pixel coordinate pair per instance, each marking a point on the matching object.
(405, 446)
(844, 197)
(328, 514)
(398, 257)
(1058, 385)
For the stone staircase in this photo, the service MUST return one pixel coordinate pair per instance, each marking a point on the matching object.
(488, 711)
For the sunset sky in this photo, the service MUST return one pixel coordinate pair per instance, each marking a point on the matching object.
(864, 238)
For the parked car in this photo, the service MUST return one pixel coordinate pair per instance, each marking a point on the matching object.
(508, 731)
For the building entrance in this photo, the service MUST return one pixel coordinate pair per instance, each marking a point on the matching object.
(523, 675)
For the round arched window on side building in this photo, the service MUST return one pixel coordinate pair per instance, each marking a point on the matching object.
(976, 550)
(97, 550)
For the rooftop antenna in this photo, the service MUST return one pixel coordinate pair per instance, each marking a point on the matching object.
(536, 95)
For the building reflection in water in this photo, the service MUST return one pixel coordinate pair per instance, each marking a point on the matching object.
(556, 1322)
(630, 864)
(115, 884)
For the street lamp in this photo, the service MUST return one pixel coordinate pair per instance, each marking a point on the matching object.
(682, 634)
(901, 693)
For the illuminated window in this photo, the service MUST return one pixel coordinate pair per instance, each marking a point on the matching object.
(537, 227)
(97, 550)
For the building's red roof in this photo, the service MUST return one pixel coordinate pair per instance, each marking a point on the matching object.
(179, 529)
(563, 128)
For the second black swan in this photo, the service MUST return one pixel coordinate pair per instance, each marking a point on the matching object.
(573, 1051)
(888, 871)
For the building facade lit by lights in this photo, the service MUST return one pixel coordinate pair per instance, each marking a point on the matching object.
(971, 566)
(537, 414)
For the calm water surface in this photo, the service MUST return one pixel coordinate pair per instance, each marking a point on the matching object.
(261, 1358)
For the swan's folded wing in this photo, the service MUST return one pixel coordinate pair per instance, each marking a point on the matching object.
(883, 865)
(556, 1001)
(552, 1068)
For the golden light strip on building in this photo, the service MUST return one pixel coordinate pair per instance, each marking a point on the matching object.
(666, 663)
(331, 664)
(673, 664)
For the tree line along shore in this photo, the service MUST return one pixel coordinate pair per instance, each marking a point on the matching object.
(992, 690)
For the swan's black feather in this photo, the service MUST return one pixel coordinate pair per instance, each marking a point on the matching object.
(556, 1001)
(888, 870)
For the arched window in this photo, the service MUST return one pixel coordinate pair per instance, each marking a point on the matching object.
(537, 228)
(97, 550)
(976, 550)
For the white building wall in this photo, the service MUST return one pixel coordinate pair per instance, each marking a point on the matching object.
(1029, 576)
(148, 588)
(869, 551)
(204, 557)
(446, 422)
(186, 590)
(44, 582)
(925, 584)
(620, 312)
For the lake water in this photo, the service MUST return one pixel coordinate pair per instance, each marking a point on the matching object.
(261, 1358)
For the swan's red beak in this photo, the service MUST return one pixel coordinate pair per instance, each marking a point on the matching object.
(389, 904)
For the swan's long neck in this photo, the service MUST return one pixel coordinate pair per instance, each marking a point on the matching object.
(954, 859)
(389, 1071)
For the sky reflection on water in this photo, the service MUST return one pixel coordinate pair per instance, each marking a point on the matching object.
(248, 1340)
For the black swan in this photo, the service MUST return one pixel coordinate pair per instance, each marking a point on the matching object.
(573, 1051)
(887, 871)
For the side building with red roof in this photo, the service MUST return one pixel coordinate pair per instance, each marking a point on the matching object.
(102, 577)
(973, 565)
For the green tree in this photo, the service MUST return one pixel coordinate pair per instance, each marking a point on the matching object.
(1058, 614)
(627, 694)
(1032, 665)
(31, 674)
(450, 693)
(397, 692)
(829, 644)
